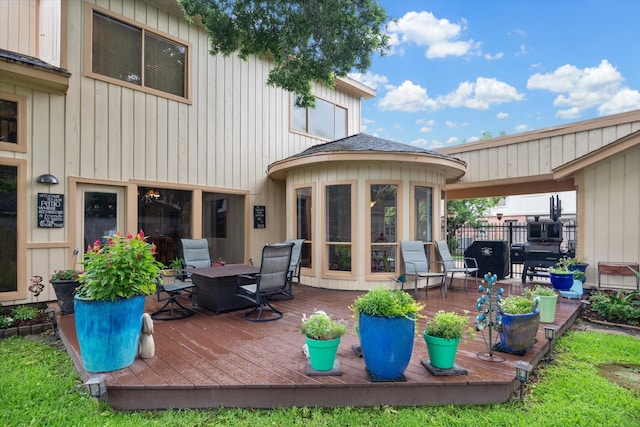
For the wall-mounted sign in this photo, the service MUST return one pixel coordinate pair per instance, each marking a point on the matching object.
(259, 216)
(50, 210)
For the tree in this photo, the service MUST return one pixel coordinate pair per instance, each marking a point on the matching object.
(307, 40)
(467, 211)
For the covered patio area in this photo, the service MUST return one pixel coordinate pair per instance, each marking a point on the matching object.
(210, 361)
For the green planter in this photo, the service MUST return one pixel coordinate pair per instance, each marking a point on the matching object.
(442, 351)
(322, 353)
(547, 306)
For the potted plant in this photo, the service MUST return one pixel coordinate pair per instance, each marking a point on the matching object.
(442, 336)
(322, 334)
(109, 302)
(518, 321)
(64, 283)
(547, 298)
(561, 276)
(579, 267)
(386, 327)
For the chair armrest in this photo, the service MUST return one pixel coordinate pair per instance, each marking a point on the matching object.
(472, 260)
(440, 265)
(414, 267)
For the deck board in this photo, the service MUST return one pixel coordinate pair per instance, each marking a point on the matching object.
(210, 360)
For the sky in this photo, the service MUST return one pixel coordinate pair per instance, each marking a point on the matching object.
(458, 69)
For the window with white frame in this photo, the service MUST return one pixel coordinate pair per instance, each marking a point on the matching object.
(326, 120)
(136, 56)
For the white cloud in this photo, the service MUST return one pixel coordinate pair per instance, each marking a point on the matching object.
(501, 115)
(426, 122)
(481, 94)
(426, 129)
(625, 100)
(580, 89)
(407, 97)
(490, 57)
(453, 140)
(452, 125)
(473, 139)
(521, 128)
(370, 79)
(440, 36)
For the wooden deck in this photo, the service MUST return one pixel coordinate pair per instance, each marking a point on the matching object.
(210, 361)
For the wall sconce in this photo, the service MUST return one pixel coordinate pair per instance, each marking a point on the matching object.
(47, 178)
(51, 315)
(451, 215)
(97, 386)
(550, 334)
(522, 373)
(499, 216)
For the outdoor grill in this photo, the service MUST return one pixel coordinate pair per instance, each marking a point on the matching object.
(542, 249)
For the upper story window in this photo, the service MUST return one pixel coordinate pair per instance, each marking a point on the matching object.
(13, 129)
(137, 57)
(326, 120)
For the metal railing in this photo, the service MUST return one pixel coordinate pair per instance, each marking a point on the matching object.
(511, 232)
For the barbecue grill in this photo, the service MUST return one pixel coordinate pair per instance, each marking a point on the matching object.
(542, 249)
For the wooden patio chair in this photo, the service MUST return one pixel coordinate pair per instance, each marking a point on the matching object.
(272, 279)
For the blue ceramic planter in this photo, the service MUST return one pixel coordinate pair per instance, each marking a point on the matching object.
(561, 281)
(108, 332)
(387, 343)
(518, 331)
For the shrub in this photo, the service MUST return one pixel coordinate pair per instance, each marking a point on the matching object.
(5, 322)
(618, 307)
(449, 325)
(25, 312)
(320, 326)
(516, 304)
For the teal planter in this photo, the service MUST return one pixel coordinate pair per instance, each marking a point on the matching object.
(322, 353)
(547, 306)
(442, 351)
(108, 332)
(387, 343)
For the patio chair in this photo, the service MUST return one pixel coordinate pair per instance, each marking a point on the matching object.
(195, 253)
(470, 266)
(272, 279)
(416, 264)
(172, 308)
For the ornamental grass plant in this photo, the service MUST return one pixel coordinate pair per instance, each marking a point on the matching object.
(385, 302)
(449, 325)
(321, 326)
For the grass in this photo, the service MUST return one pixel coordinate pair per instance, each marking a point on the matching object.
(39, 386)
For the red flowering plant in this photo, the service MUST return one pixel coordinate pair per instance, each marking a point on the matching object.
(121, 268)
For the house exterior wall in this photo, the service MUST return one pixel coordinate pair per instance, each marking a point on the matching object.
(221, 139)
(611, 218)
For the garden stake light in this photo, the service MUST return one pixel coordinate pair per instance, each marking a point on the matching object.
(550, 334)
(522, 373)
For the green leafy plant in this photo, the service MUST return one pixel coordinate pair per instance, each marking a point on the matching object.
(517, 304)
(64, 275)
(6, 322)
(122, 268)
(321, 326)
(384, 302)
(25, 312)
(567, 266)
(618, 307)
(449, 325)
(540, 290)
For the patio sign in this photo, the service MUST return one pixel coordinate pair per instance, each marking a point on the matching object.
(50, 210)
(259, 216)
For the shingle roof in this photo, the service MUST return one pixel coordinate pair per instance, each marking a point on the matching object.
(363, 142)
(8, 56)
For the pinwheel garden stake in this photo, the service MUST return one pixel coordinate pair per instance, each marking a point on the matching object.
(489, 317)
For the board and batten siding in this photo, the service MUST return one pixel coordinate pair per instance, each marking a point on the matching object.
(537, 153)
(232, 129)
(612, 212)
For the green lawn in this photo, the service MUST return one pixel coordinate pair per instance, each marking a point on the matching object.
(38, 386)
